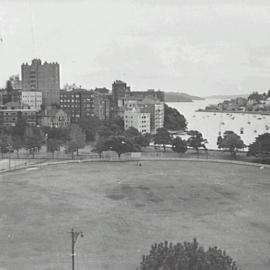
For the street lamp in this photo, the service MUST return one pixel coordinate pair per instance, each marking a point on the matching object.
(74, 237)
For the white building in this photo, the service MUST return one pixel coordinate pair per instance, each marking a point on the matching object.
(159, 116)
(138, 120)
(32, 99)
(152, 106)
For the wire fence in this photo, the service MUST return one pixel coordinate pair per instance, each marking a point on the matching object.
(11, 161)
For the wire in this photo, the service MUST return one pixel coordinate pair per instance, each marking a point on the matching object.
(32, 29)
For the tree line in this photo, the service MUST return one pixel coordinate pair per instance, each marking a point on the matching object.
(110, 135)
(107, 135)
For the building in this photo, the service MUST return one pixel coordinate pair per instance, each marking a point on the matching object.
(103, 105)
(54, 118)
(120, 91)
(102, 90)
(33, 99)
(77, 103)
(149, 105)
(16, 83)
(42, 77)
(121, 95)
(135, 118)
(12, 112)
(7, 96)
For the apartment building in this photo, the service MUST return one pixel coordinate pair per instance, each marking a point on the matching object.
(139, 120)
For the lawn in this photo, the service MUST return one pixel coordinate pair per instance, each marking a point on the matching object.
(123, 208)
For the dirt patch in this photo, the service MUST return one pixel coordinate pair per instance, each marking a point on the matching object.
(139, 193)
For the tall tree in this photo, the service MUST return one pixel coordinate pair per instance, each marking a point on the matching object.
(179, 145)
(173, 120)
(17, 143)
(90, 126)
(53, 145)
(121, 145)
(196, 140)
(19, 128)
(33, 140)
(61, 134)
(77, 137)
(5, 143)
(162, 137)
(136, 137)
(101, 146)
(232, 142)
(261, 146)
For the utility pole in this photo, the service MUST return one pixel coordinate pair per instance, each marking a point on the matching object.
(74, 237)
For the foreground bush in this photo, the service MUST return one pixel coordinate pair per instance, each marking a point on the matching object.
(186, 256)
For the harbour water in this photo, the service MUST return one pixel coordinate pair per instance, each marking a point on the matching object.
(248, 126)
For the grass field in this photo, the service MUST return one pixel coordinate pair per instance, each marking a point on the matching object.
(123, 208)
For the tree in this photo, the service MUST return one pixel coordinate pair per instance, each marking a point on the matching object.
(77, 136)
(173, 120)
(61, 134)
(142, 140)
(5, 143)
(186, 256)
(121, 145)
(109, 128)
(268, 94)
(101, 146)
(33, 140)
(179, 145)
(232, 142)
(19, 128)
(136, 137)
(131, 132)
(196, 140)
(255, 96)
(90, 126)
(162, 137)
(261, 146)
(9, 87)
(71, 147)
(53, 145)
(17, 143)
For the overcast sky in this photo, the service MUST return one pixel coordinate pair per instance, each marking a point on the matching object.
(199, 47)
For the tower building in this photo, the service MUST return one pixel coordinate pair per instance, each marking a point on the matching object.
(44, 78)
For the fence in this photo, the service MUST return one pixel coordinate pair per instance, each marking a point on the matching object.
(13, 161)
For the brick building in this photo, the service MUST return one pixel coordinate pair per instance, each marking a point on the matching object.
(42, 77)
(12, 112)
(77, 103)
(103, 105)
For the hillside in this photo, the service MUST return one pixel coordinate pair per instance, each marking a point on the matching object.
(227, 96)
(180, 97)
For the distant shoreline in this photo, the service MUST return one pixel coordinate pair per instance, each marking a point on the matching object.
(239, 112)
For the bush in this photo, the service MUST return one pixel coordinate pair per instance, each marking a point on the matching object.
(186, 256)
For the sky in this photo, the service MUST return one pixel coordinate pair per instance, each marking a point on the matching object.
(202, 47)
